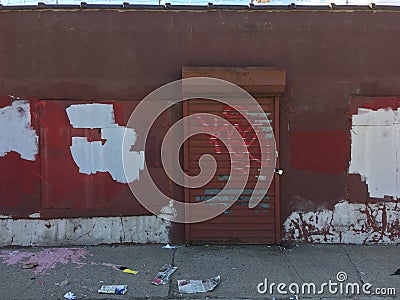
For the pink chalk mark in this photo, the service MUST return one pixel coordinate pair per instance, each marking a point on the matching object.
(13, 257)
(47, 258)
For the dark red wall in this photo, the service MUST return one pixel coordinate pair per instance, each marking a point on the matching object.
(123, 55)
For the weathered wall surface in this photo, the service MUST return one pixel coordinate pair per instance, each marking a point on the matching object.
(83, 231)
(64, 181)
(329, 57)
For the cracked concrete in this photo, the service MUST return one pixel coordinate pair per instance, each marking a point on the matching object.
(359, 273)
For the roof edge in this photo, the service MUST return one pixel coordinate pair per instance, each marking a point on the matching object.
(208, 7)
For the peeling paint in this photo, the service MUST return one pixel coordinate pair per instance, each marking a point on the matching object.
(16, 133)
(94, 115)
(347, 223)
(375, 135)
(93, 157)
(168, 212)
(223, 177)
(264, 205)
(225, 198)
(83, 231)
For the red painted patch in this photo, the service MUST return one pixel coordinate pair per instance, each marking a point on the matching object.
(320, 151)
(66, 191)
(374, 103)
(20, 178)
(52, 183)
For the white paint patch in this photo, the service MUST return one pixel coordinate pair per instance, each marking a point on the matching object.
(168, 212)
(348, 223)
(5, 217)
(34, 216)
(375, 149)
(93, 157)
(84, 231)
(95, 115)
(16, 133)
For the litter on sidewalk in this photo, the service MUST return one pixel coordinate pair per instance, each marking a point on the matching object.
(397, 272)
(198, 286)
(63, 283)
(168, 246)
(113, 289)
(30, 265)
(127, 270)
(69, 296)
(162, 276)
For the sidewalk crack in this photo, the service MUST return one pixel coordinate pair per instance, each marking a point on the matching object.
(291, 264)
(355, 267)
(171, 284)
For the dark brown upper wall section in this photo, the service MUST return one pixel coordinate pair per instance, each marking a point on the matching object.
(124, 55)
(110, 54)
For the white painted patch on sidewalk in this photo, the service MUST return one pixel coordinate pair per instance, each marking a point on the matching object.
(16, 133)
(93, 157)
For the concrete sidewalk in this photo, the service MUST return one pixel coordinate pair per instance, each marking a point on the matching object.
(82, 270)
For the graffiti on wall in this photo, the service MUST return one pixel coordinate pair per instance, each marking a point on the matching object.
(347, 223)
(16, 133)
(93, 157)
(247, 132)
